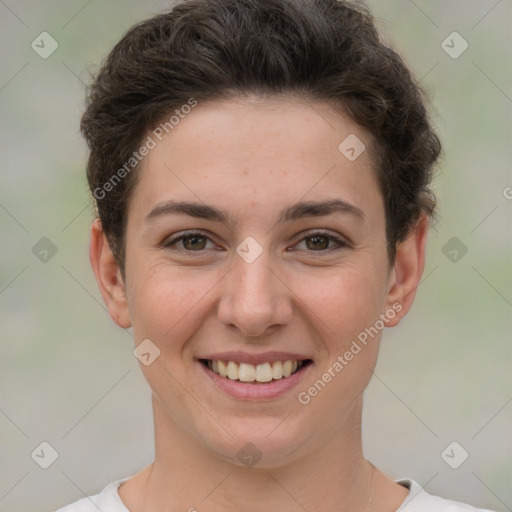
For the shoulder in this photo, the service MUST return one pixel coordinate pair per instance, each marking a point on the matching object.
(421, 501)
(108, 500)
(418, 500)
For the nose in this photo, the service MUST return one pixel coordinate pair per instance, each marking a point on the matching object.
(255, 300)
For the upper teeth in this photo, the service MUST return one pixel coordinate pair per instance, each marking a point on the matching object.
(247, 372)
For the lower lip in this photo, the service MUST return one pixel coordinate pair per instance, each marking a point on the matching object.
(258, 391)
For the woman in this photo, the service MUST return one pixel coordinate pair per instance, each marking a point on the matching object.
(261, 170)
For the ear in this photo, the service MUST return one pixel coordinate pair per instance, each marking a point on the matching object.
(407, 270)
(108, 276)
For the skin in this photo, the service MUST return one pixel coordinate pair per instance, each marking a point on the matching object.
(251, 157)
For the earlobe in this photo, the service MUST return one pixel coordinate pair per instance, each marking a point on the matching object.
(108, 276)
(407, 270)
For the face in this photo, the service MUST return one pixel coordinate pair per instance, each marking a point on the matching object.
(282, 256)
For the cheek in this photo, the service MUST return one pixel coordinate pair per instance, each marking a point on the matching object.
(347, 307)
(166, 304)
(342, 302)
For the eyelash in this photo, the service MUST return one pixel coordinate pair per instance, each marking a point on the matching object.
(189, 234)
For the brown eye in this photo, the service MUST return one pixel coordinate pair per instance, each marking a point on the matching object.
(190, 242)
(318, 242)
(321, 242)
(194, 242)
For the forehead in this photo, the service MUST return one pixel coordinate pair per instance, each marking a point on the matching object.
(248, 154)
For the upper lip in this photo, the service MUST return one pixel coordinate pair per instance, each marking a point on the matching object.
(245, 357)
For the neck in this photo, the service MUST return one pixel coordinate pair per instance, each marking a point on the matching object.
(187, 475)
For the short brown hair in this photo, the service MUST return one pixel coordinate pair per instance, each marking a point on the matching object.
(206, 50)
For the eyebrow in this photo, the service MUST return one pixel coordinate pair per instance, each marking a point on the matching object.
(293, 212)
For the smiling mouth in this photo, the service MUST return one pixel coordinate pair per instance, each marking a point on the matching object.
(255, 374)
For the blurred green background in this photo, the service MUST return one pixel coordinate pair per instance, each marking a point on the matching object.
(68, 375)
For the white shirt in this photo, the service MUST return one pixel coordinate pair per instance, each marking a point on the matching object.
(418, 500)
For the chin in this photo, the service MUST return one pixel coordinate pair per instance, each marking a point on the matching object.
(263, 443)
